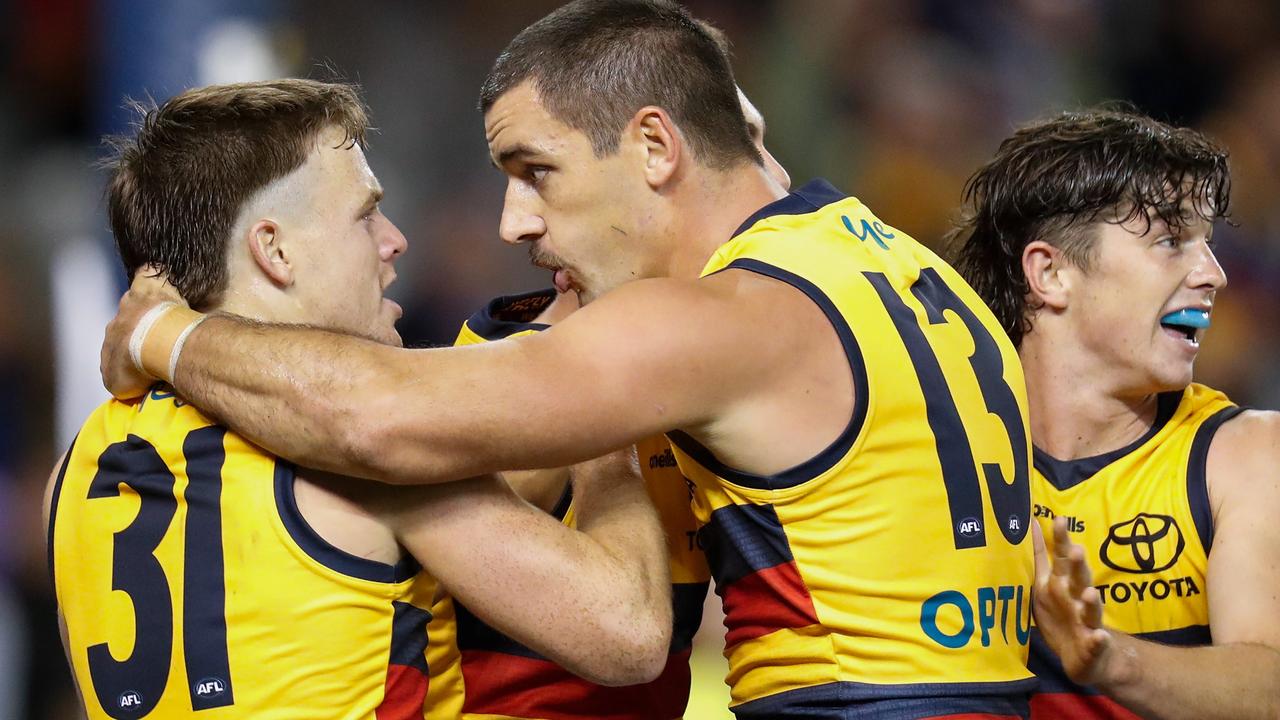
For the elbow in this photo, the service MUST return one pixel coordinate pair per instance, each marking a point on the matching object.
(642, 643)
(636, 658)
(650, 653)
(642, 630)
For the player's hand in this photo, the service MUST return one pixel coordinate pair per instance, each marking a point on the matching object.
(1068, 608)
(119, 375)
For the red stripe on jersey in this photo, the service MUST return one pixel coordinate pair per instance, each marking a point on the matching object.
(765, 601)
(406, 690)
(516, 686)
(1050, 706)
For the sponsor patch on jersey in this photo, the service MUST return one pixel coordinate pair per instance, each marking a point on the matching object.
(1146, 544)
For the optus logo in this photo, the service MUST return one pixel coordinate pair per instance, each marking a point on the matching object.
(1148, 543)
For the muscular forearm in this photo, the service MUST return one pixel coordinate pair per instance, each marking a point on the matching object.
(362, 409)
(357, 408)
(582, 598)
(614, 509)
(292, 397)
(1232, 681)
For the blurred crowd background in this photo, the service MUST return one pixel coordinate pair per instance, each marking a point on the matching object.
(895, 101)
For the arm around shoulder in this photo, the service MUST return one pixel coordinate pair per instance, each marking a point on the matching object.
(649, 357)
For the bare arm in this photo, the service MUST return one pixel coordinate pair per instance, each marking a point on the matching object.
(542, 489)
(1239, 675)
(47, 505)
(596, 600)
(649, 357)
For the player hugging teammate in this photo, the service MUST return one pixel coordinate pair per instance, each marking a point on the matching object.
(850, 411)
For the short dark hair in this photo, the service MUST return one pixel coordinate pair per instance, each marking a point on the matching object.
(1054, 179)
(177, 183)
(595, 63)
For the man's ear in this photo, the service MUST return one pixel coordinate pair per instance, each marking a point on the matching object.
(1048, 282)
(660, 142)
(266, 246)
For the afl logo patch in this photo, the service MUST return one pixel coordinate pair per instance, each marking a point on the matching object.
(1146, 544)
(130, 700)
(969, 527)
(210, 688)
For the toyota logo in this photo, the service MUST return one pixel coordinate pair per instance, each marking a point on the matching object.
(1146, 544)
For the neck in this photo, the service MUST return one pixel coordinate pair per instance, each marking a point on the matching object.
(720, 201)
(1077, 408)
(257, 299)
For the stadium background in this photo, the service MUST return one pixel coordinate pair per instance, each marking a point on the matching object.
(896, 101)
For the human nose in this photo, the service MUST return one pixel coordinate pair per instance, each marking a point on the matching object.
(521, 221)
(1207, 273)
(393, 242)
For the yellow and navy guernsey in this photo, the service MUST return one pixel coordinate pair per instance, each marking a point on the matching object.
(503, 679)
(888, 576)
(192, 586)
(1142, 515)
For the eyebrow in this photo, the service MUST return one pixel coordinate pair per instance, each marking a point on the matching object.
(375, 197)
(519, 152)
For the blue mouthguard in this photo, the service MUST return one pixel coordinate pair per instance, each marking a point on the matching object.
(1187, 317)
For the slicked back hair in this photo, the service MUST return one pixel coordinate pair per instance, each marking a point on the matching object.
(594, 63)
(178, 182)
(1054, 180)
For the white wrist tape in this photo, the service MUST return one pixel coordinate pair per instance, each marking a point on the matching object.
(178, 345)
(140, 332)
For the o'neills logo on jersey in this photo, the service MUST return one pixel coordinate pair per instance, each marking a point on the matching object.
(1146, 544)
(664, 459)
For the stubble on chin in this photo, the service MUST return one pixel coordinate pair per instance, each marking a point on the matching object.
(382, 335)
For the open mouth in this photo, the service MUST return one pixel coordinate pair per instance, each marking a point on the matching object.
(1187, 322)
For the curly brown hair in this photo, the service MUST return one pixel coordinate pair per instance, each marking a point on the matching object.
(1055, 179)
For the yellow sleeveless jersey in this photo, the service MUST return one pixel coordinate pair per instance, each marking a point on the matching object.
(505, 680)
(1142, 515)
(192, 586)
(889, 575)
